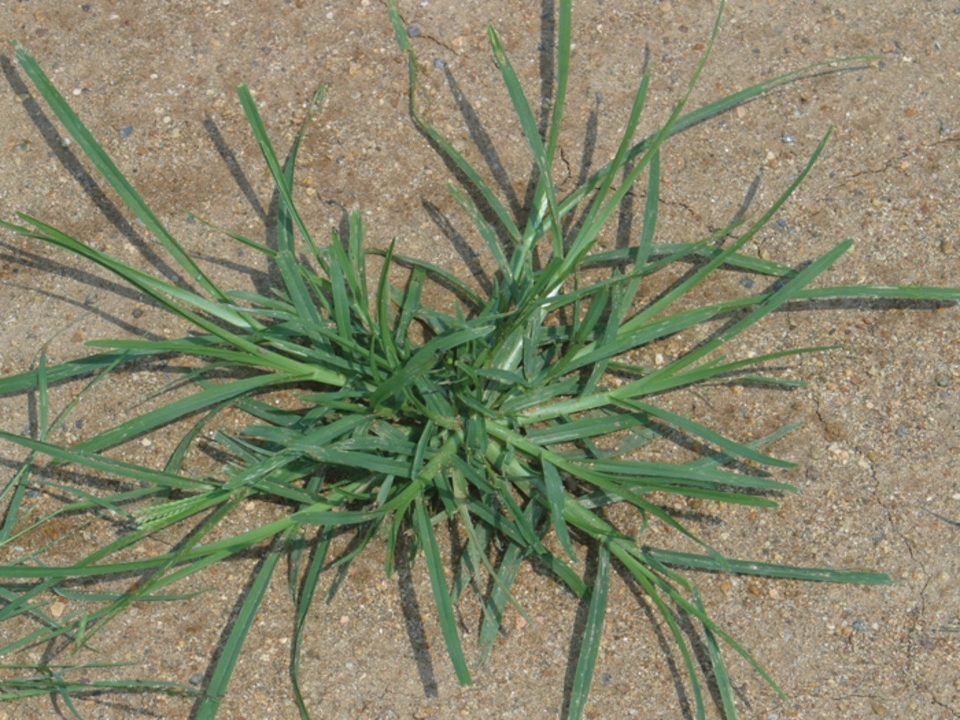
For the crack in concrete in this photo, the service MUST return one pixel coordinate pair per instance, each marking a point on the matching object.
(566, 166)
(949, 708)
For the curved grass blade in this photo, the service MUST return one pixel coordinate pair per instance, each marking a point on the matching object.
(444, 277)
(476, 181)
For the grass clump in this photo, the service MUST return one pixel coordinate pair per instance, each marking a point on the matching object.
(495, 417)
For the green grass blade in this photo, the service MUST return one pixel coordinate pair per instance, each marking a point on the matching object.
(444, 277)
(721, 676)
(652, 585)
(98, 156)
(564, 43)
(746, 567)
(445, 613)
(496, 603)
(705, 433)
(694, 612)
(285, 219)
(605, 204)
(159, 290)
(421, 362)
(696, 278)
(716, 108)
(304, 603)
(104, 464)
(409, 308)
(166, 414)
(242, 239)
(80, 367)
(556, 498)
(592, 635)
(625, 297)
(385, 317)
(487, 232)
(371, 414)
(17, 488)
(708, 371)
(893, 292)
(283, 186)
(230, 652)
(473, 177)
(358, 258)
(545, 197)
(299, 294)
(788, 292)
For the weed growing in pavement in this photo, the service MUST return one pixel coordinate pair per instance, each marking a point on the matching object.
(497, 417)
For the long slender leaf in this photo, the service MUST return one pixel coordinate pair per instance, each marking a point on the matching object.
(92, 149)
(448, 621)
(590, 646)
(230, 652)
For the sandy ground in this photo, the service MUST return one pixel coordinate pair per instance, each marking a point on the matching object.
(878, 455)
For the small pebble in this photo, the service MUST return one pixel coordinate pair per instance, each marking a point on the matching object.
(414, 31)
(196, 679)
(440, 63)
(788, 138)
(126, 132)
(860, 626)
(747, 282)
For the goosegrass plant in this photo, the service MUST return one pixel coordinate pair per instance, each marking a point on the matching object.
(495, 418)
